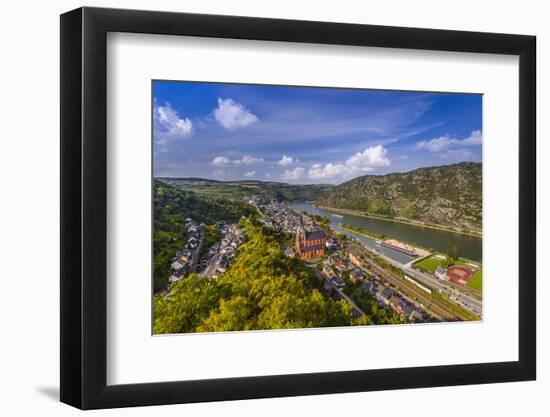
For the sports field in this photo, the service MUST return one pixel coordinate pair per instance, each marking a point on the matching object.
(428, 265)
(476, 281)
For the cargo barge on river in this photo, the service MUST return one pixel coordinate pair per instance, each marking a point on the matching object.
(400, 247)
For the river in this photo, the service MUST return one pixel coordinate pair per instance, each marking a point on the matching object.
(469, 247)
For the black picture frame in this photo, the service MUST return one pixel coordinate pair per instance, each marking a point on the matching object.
(84, 207)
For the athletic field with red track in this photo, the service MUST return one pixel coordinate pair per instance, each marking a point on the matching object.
(460, 274)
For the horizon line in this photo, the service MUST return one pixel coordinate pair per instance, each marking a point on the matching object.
(330, 184)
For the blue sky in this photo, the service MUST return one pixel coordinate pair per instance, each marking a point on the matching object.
(305, 135)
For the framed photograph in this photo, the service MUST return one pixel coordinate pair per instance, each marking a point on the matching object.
(258, 208)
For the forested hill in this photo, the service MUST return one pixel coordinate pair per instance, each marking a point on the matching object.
(233, 190)
(448, 195)
(171, 207)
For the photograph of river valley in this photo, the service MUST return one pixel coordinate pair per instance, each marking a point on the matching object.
(281, 207)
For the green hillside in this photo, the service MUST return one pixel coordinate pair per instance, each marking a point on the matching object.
(449, 195)
(171, 206)
(233, 190)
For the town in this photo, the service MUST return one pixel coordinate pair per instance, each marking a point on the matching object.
(215, 260)
(342, 264)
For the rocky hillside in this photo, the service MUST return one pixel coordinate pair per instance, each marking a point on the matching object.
(448, 195)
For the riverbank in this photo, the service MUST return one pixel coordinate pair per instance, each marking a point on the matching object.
(363, 232)
(400, 220)
(437, 240)
(422, 252)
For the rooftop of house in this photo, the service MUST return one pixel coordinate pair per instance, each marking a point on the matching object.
(357, 273)
(311, 248)
(387, 293)
(368, 284)
(337, 280)
(395, 300)
(407, 308)
(316, 234)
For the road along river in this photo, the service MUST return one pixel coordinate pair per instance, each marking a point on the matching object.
(469, 247)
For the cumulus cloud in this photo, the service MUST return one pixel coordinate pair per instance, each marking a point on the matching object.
(292, 175)
(370, 158)
(221, 160)
(360, 163)
(244, 160)
(445, 142)
(287, 160)
(167, 120)
(232, 115)
(330, 170)
(250, 173)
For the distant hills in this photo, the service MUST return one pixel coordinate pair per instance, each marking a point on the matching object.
(449, 195)
(232, 190)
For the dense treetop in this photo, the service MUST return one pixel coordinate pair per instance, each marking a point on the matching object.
(262, 289)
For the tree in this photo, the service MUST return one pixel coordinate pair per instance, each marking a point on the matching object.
(362, 321)
(234, 314)
(452, 251)
(262, 289)
(187, 304)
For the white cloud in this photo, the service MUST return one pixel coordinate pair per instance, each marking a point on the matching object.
(370, 158)
(435, 145)
(459, 155)
(475, 139)
(250, 173)
(361, 162)
(245, 160)
(287, 160)
(221, 160)
(171, 122)
(248, 160)
(318, 171)
(232, 115)
(445, 142)
(293, 175)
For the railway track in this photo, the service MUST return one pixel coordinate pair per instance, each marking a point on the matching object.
(410, 290)
(455, 311)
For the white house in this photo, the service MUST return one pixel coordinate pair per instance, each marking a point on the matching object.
(176, 266)
(440, 273)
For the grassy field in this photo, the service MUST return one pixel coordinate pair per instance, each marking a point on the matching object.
(462, 261)
(428, 265)
(476, 281)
